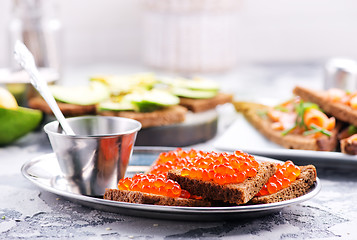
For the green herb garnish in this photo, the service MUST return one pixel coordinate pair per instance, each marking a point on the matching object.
(262, 113)
(316, 129)
(281, 108)
(286, 131)
(352, 130)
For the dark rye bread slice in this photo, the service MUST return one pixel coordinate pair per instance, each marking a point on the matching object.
(299, 187)
(348, 146)
(165, 116)
(253, 113)
(237, 193)
(68, 110)
(339, 110)
(200, 105)
(153, 199)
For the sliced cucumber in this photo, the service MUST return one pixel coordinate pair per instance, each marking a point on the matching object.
(197, 94)
(81, 95)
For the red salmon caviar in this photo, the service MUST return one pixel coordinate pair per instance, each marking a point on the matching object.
(150, 183)
(222, 168)
(285, 174)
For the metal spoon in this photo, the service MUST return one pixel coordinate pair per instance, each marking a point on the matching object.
(26, 60)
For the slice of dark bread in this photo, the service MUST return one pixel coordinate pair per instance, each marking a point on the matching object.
(165, 116)
(348, 146)
(237, 193)
(68, 110)
(253, 113)
(299, 187)
(200, 105)
(339, 110)
(153, 199)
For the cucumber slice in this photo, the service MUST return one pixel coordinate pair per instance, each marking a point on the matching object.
(197, 94)
(116, 106)
(81, 95)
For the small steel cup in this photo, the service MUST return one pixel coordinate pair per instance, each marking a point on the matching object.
(98, 155)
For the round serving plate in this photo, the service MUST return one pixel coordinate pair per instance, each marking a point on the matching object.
(44, 172)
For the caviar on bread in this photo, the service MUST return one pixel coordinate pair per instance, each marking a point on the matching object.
(288, 182)
(198, 178)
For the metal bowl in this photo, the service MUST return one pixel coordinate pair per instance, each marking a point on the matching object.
(98, 155)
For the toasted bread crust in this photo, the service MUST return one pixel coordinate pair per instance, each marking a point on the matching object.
(299, 187)
(200, 105)
(68, 110)
(340, 111)
(166, 116)
(290, 141)
(348, 146)
(153, 199)
(238, 193)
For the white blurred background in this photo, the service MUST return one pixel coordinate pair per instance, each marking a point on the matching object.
(100, 31)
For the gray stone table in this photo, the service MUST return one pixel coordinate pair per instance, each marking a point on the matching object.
(28, 212)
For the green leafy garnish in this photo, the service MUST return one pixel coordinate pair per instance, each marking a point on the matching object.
(352, 130)
(281, 108)
(300, 110)
(286, 131)
(316, 129)
(262, 113)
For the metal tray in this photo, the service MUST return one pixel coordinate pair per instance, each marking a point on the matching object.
(44, 172)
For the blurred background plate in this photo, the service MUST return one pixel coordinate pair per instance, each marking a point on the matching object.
(197, 128)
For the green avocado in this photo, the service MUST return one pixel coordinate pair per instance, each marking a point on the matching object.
(149, 101)
(15, 123)
(81, 95)
(116, 106)
(197, 94)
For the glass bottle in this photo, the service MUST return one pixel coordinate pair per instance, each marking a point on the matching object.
(35, 23)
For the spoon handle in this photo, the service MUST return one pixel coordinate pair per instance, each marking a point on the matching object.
(26, 60)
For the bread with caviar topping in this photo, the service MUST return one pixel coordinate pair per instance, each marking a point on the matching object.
(233, 193)
(153, 199)
(200, 105)
(339, 110)
(252, 112)
(299, 187)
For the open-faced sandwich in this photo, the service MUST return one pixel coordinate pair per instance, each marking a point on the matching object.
(73, 100)
(197, 94)
(342, 105)
(197, 178)
(294, 124)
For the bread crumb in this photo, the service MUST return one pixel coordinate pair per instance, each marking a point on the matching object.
(57, 199)
(131, 237)
(108, 229)
(155, 225)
